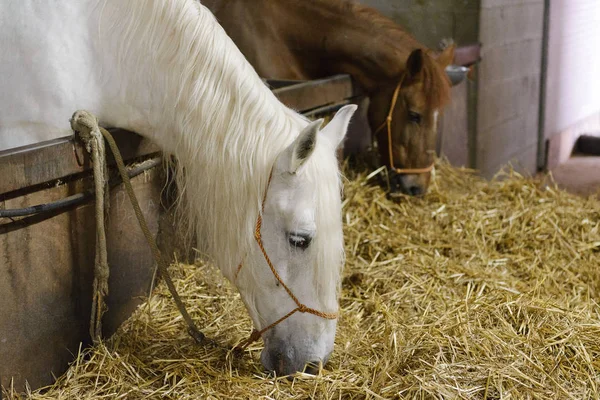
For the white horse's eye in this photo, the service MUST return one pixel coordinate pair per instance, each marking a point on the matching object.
(299, 240)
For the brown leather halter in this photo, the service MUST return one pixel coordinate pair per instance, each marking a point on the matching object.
(255, 335)
(388, 123)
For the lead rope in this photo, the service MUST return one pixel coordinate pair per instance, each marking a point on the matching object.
(256, 334)
(388, 123)
(94, 144)
(86, 125)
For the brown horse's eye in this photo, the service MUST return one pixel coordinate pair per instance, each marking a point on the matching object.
(414, 117)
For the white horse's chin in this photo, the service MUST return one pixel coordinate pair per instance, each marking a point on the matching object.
(289, 349)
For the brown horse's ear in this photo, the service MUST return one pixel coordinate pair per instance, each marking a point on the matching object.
(414, 64)
(446, 57)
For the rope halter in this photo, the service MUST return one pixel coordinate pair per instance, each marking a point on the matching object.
(300, 307)
(388, 123)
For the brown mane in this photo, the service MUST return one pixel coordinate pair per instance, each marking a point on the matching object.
(371, 16)
(383, 29)
(376, 19)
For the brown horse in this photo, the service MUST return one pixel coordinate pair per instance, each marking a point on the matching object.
(406, 83)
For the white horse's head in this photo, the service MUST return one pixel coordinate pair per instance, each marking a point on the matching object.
(302, 236)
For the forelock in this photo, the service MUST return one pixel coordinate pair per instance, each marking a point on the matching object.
(323, 171)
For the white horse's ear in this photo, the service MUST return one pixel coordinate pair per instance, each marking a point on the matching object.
(336, 129)
(304, 145)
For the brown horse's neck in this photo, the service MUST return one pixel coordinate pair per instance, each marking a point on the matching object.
(339, 36)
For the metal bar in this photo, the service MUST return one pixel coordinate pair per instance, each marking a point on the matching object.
(467, 55)
(317, 93)
(541, 147)
(76, 198)
(472, 96)
(279, 83)
(326, 109)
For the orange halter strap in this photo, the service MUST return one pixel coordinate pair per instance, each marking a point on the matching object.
(388, 123)
(255, 335)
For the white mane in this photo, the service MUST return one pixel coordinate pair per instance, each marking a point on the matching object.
(226, 146)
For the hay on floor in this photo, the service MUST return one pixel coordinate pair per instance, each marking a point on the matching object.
(477, 291)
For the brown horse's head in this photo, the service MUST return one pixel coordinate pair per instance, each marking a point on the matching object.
(414, 101)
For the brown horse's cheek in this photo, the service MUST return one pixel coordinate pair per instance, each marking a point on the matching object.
(402, 156)
(417, 145)
(423, 180)
(431, 138)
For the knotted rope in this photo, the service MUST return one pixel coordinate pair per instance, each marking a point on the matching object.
(90, 134)
(86, 125)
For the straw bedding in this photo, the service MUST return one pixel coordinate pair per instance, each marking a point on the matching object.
(480, 290)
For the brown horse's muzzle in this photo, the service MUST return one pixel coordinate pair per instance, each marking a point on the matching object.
(410, 184)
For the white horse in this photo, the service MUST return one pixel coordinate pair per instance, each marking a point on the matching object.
(166, 70)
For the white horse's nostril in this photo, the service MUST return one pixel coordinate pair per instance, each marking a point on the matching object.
(312, 367)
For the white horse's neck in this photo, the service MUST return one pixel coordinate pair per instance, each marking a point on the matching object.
(181, 81)
(175, 63)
